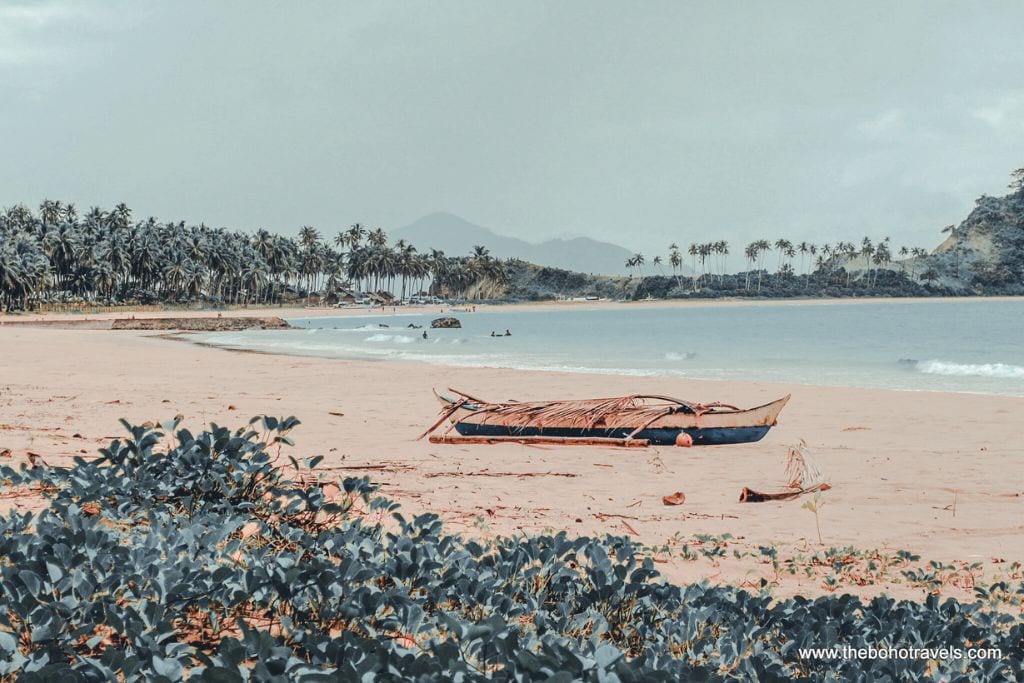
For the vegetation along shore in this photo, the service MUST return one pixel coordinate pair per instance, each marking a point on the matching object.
(56, 256)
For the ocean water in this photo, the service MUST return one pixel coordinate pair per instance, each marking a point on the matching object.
(966, 346)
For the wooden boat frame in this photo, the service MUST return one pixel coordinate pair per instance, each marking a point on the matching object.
(659, 420)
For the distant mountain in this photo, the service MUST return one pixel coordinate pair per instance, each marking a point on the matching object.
(456, 237)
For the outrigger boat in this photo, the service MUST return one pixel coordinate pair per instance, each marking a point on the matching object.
(627, 420)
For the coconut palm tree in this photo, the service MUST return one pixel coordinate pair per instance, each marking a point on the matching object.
(722, 250)
(377, 238)
(675, 260)
(867, 250)
(312, 261)
(763, 247)
(693, 250)
(356, 233)
(751, 253)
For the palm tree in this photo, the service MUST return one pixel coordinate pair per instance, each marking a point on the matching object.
(377, 238)
(703, 252)
(312, 263)
(751, 253)
(675, 260)
(356, 233)
(903, 252)
(867, 249)
(881, 258)
(722, 250)
(763, 247)
(638, 261)
(813, 250)
(406, 262)
(803, 248)
(693, 250)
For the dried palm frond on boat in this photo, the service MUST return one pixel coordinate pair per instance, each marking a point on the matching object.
(659, 420)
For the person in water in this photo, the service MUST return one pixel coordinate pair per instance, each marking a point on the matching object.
(424, 334)
(492, 334)
(507, 333)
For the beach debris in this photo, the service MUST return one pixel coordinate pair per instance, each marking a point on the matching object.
(677, 498)
(335, 414)
(445, 323)
(5, 453)
(684, 440)
(630, 528)
(802, 476)
(232, 407)
(604, 516)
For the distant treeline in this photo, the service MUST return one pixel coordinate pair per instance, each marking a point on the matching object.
(57, 256)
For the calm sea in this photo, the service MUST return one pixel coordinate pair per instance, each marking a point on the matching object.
(969, 346)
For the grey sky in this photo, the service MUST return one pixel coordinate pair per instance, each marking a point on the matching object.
(639, 123)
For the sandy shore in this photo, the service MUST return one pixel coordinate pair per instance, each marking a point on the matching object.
(897, 460)
(85, 319)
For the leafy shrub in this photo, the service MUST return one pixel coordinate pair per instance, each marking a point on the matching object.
(216, 559)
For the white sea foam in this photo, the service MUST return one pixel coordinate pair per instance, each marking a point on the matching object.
(941, 367)
(606, 342)
(396, 338)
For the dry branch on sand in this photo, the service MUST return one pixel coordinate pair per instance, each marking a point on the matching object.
(802, 476)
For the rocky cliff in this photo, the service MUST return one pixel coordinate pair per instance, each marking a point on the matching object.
(985, 253)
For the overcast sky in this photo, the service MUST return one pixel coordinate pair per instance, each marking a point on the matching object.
(638, 123)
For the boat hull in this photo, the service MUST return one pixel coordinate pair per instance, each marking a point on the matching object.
(711, 436)
(715, 428)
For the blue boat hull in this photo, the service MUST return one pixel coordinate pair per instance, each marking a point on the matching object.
(713, 436)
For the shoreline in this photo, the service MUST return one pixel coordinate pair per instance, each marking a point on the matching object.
(317, 311)
(896, 460)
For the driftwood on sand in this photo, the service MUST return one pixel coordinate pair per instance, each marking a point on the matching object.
(749, 495)
(802, 474)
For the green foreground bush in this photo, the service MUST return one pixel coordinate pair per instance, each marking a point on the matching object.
(206, 559)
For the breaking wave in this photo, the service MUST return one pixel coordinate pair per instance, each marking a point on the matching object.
(396, 338)
(687, 355)
(941, 367)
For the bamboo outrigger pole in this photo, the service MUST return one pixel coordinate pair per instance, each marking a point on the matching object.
(547, 440)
